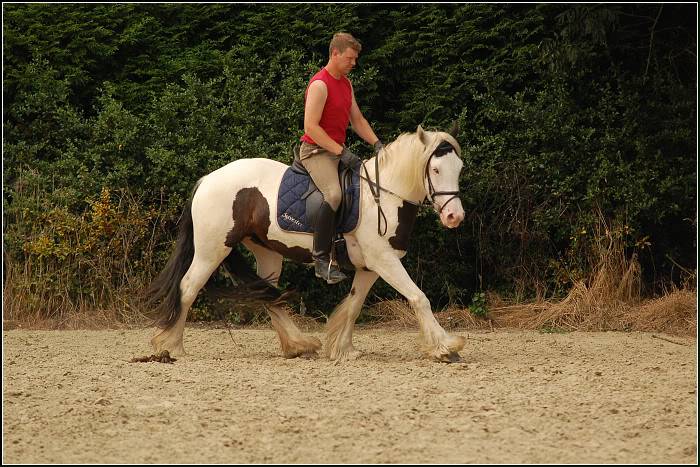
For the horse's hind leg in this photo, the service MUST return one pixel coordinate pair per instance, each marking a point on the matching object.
(294, 343)
(204, 263)
(342, 322)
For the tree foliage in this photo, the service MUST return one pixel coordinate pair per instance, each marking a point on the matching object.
(563, 109)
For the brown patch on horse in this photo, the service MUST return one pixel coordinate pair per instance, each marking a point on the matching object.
(407, 218)
(251, 218)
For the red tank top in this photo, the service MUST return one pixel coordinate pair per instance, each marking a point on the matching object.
(336, 112)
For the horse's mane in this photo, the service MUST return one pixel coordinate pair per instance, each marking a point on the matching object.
(404, 158)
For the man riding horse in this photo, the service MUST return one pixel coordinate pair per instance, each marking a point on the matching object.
(240, 205)
(330, 106)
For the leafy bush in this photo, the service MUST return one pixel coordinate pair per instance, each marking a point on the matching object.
(563, 110)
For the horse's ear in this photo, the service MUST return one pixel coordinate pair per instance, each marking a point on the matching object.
(422, 136)
(454, 129)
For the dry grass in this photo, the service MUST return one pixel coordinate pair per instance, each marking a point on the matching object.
(398, 314)
(45, 309)
(391, 313)
(79, 270)
(104, 259)
(675, 313)
(91, 320)
(609, 300)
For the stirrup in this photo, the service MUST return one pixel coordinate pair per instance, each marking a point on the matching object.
(333, 275)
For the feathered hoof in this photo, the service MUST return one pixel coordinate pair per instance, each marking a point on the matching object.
(451, 357)
(309, 355)
(306, 347)
(175, 349)
(447, 351)
(346, 356)
(305, 354)
(352, 355)
(455, 343)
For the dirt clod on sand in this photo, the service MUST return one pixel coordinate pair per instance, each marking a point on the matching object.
(162, 357)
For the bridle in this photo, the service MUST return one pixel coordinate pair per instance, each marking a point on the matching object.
(429, 200)
(441, 150)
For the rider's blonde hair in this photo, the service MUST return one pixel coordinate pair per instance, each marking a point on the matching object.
(343, 40)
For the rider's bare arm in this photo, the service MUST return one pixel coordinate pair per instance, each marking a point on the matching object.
(315, 100)
(359, 123)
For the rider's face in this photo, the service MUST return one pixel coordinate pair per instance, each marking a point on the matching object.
(347, 60)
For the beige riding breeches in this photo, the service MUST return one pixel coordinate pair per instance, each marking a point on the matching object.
(323, 168)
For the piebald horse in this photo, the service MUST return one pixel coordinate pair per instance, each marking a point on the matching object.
(237, 204)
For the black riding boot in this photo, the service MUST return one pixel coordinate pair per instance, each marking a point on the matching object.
(324, 228)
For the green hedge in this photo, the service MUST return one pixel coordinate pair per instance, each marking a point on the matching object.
(563, 110)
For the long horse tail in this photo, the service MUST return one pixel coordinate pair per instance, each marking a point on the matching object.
(165, 289)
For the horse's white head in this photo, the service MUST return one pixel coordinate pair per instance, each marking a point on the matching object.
(441, 176)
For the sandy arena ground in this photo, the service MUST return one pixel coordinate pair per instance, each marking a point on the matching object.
(519, 397)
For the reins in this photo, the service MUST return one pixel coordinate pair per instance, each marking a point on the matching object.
(375, 194)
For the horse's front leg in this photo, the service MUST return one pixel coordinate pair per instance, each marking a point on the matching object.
(437, 344)
(342, 321)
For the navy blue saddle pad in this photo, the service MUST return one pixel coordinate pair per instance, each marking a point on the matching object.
(298, 200)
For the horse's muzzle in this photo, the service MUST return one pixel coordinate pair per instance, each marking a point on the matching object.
(452, 218)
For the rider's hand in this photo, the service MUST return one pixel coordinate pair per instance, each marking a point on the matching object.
(378, 146)
(350, 159)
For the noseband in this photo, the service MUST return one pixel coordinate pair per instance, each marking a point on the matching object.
(441, 150)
